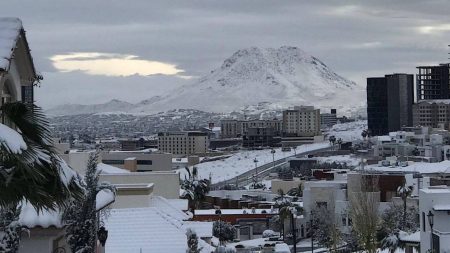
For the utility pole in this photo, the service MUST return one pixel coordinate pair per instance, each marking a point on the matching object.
(294, 233)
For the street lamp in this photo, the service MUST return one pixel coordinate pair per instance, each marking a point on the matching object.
(256, 169)
(312, 232)
(430, 216)
(273, 157)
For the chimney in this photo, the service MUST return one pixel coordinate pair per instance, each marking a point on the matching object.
(130, 164)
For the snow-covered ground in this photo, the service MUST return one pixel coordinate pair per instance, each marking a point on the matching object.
(350, 131)
(243, 161)
(350, 160)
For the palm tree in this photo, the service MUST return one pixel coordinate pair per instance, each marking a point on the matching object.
(404, 192)
(195, 189)
(296, 192)
(391, 243)
(34, 172)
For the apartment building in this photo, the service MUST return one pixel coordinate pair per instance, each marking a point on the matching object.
(232, 128)
(432, 113)
(183, 143)
(301, 121)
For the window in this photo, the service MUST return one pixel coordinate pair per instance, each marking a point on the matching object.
(423, 221)
(112, 161)
(144, 162)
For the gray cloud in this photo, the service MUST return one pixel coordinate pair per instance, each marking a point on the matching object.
(355, 38)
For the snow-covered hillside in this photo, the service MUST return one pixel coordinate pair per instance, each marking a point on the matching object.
(350, 131)
(115, 106)
(254, 80)
(274, 78)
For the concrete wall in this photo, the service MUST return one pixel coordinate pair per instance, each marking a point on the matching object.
(43, 240)
(166, 184)
(159, 161)
(429, 198)
(284, 185)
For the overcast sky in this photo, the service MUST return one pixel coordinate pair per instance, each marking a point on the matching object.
(91, 51)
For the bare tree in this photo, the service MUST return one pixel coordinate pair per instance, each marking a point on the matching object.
(364, 203)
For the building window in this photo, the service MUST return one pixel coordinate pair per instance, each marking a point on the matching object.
(112, 161)
(144, 162)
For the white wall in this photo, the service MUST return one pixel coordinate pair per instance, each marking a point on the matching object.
(427, 199)
(166, 184)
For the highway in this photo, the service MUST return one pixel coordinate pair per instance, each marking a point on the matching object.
(263, 170)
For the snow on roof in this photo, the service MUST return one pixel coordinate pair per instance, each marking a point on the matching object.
(441, 207)
(180, 204)
(142, 230)
(9, 33)
(104, 198)
(384, 138)
(282, 248)
(167, 208)
(108, 169)
(405, 237)
(30, 218)
(419, 167)
(232, 211)
(11, 139)
(203, 229)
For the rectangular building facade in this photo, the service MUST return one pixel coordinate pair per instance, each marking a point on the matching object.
(432, 82)
(328, 119)
(432, 113)
(232, 128)
(389, 103)
(183, 143)
(301, 121)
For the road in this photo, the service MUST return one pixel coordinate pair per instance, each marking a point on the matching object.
(263, 170)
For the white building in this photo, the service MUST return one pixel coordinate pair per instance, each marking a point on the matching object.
(435, 201)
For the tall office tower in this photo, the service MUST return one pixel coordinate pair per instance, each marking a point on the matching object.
(432, 82)
(389, 103)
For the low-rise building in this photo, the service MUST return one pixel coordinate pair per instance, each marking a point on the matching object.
(434, 208)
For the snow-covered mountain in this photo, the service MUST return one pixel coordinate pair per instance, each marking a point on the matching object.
(114, 105)
(259, 80)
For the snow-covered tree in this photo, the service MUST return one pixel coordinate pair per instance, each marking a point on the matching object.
(29, 166)
(392, 220)
(326, 231)
(10, 229)
(224, 231)
(195, 189)
(192, 242)
(404, 192)
(364, 203)
(80, 217)
(391, 243)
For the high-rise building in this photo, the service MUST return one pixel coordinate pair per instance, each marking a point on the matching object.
(301, 121)
(433, 82)
(389, 103)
